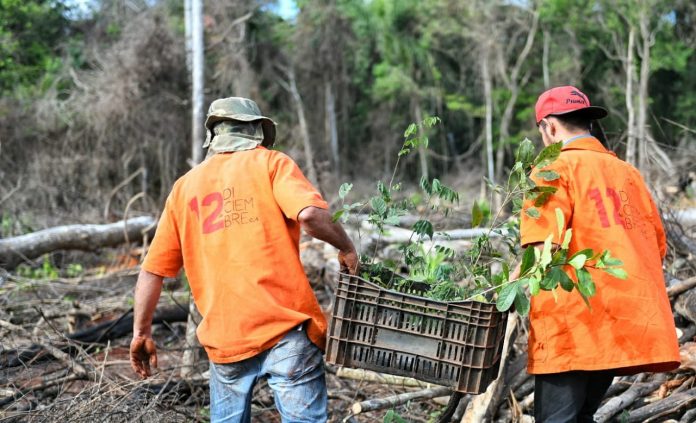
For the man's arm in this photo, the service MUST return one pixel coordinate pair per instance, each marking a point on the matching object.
(318, 224)
(143, 352)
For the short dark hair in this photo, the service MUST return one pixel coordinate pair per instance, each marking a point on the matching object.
(575, 121)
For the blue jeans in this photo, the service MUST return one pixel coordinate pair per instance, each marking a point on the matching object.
(295, 371)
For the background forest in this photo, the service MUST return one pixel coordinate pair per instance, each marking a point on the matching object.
(95, 103)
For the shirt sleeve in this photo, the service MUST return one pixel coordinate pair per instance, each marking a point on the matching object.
(292, 191)
(534, 230)
(164, 258)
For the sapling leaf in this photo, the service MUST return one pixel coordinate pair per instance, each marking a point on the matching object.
(425, 185)
(506, 297)
(548, 175)
(423, 227)
(476, 215)
(528, 260)
(521, 302)
(344, 190)
(617, 273)
(437, 186)
(525, 152)
(577, 262)
(567, 238)
(392, 220)
(550, 280)
(546, 252)
(534, 285)
(578, 259)
(560, 220)
(337, 215)
(548, 155)
(542, 199)
(586, 285)
(532, 212)
(609, 260)
(412, 128)
(584, 297)
(559, 257)
(565, 281)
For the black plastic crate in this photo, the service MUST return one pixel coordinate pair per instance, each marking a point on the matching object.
(454, 344)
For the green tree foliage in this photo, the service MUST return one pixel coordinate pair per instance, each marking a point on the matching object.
(384, 63)
(31, 32)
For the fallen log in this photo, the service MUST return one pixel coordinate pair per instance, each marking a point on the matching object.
(681, 287)
(639, 389)
(23, 248)
(689, 416)
(658, 410)
(395, 235)
(375, 377)
(396, 400)
(686, 305)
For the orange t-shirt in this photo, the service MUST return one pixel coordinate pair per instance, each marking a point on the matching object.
(630, 326)
(232, 223)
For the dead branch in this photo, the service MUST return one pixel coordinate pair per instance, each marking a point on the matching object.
(375, 377)
(79, 370)
(681, 287)
(686, 305)
(396, 400)
(14, 251)
(101, 333)
(617, 404)
(658, 410)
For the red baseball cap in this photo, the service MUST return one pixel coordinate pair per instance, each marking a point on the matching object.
(567, 99)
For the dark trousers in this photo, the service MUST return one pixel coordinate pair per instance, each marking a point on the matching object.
(570, 397)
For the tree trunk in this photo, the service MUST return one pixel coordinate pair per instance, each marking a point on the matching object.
(197, 136)
(545, 60)
(331, 128)
(422, 151)
(642, 118)
(631, 141)
(16, 250)
(304, 130)
(197, 82)
(488, 98)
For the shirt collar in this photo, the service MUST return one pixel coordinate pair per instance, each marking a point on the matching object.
(571, 139)
(585, 142)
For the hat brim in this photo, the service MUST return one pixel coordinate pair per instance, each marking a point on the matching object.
(267, 124)
(590, 112)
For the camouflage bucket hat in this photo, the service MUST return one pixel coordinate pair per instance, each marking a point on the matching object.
(240, 109)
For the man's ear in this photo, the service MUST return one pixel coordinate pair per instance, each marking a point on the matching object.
(552, 125)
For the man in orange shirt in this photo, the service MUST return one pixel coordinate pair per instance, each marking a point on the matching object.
(233, 222)
(576, 350)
